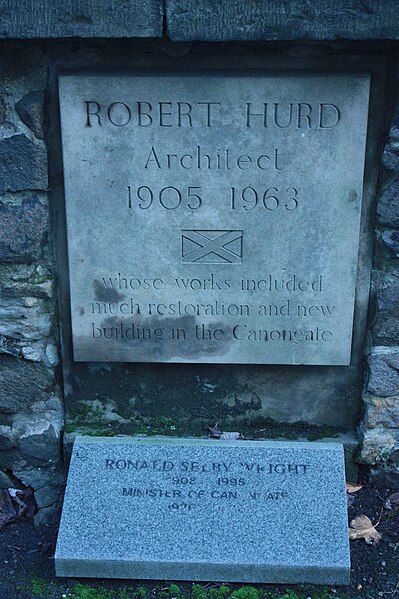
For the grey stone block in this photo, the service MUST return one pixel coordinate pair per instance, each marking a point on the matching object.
(23, 230)
(31, 19)
(385, 476)
(22, 321)
(30, 109)
(40, 439)
(386, 330)
(388, 205)
(384, 374)
(193, 509)
(378, 444)
(275, 20)
(382, 412)
(44, 479)
(22, 383)
(23, 164)
(26, 280)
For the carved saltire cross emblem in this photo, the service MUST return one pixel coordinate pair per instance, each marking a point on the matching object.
(211, 247)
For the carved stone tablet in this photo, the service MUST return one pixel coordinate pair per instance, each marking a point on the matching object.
(205, 510)
(213, 217)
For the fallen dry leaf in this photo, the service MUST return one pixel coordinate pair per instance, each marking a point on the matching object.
(15, 504)
(392, 503)
(361, 527)
(353, 488)
(24, 502)
(230, 436)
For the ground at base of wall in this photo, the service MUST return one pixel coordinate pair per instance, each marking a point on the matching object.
(27, 568)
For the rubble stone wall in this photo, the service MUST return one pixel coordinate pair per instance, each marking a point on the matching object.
(380, 426)
(31, 406)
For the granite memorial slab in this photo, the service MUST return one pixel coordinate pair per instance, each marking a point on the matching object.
(213, 217)
(193, 509)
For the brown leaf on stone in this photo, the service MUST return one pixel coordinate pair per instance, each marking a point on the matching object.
(8, 512)
(230, 436)
(353, 487)
(392, 503)
(23, 501)
(214, 432)
(361, 527)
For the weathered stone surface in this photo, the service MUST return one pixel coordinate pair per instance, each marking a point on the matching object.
(386, 330)
(22, 323)
(5, 481)
(386, 477)
(394, 130)
(22, 280)
(378, 444)
(41, 477)
(22, 383)
(48, 483)
(51, 355)
(33, 352)
(390, 156)
(388, 205)
(382, 412)
(6, 437)
(274, 20)
(277, 483)
(23, 230)
(391, 241)
(39, 439)
(38, 433)
(81, 18)
(48, 495)
(30, 109)
(3, 110)
(203, 291)
(383, 374)
(23, 164)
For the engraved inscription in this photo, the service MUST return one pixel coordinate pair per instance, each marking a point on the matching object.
(190, 483)
(211, 247)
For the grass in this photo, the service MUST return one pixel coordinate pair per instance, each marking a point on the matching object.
(39, 588)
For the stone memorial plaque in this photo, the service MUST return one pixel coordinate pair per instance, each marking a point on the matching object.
(213, 217)
(173, 509)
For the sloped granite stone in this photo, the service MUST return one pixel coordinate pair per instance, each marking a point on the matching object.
(193, 509)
